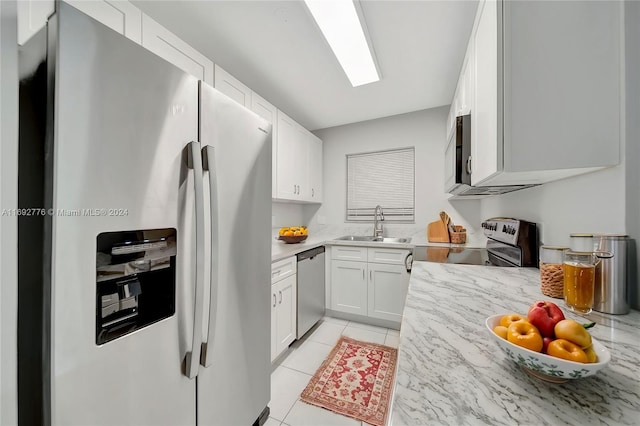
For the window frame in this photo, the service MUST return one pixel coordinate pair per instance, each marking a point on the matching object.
(390, 218)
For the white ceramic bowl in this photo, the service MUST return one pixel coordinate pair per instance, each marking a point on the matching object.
(548, 367)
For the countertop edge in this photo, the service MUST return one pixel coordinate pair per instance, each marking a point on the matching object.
(281, 250)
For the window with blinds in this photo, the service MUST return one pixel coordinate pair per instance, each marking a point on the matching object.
(384, 178)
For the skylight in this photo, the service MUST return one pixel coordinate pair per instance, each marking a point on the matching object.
(340, 25)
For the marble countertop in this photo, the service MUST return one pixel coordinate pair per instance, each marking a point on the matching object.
(451, 372)
(281, 250)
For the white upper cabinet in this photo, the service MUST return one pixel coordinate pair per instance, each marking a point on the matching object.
(450, 163)
(298, 162)
(547, 90)
(465, 96)
(32, 16)
(232, 87)
(119, 15)
(486, 149)
(269, 112)
(168, 46)
(462, 102)
(314, 161)
(288, 150)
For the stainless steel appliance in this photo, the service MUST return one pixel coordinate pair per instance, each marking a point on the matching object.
(310, 289)
(142, 283)
(511, 242)
(613, 274)
(461, 186)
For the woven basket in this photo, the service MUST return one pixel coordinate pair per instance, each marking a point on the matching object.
(459, 235)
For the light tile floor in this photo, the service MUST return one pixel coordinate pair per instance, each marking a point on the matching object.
(295, 369)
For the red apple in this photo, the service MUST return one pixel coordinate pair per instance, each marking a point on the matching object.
(545, 344)
(545, 315)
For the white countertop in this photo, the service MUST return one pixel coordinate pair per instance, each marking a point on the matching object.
(451, 372)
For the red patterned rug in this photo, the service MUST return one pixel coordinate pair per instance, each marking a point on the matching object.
(356, 380)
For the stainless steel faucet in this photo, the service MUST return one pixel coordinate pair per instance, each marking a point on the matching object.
(377, 223)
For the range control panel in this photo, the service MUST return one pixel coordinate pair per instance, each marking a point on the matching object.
(516, 233)
(502, 229)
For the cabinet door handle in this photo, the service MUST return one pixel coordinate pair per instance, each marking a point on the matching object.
(274, 300)
(312, 192)
(469, 165)
(294, 189)
(363, 274)
(280, 291)
(370, 276)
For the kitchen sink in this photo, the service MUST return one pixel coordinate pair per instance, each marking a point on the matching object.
(392, 240)
(372, 239)
(356, 238)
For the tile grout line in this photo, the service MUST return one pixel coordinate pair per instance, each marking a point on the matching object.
(289, 412)
(297, 371)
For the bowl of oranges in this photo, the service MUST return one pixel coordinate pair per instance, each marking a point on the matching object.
(547, 345)
(293, 234)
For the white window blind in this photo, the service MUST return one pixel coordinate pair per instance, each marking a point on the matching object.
(383, 178)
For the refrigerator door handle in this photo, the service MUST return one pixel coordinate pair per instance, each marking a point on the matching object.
(209, 160)
(195, 163)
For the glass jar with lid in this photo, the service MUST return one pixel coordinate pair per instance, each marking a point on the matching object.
(551, 270)
(582, 242)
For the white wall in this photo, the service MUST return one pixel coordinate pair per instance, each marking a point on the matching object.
(583, 204)
(8, 200)
(287, 214)
(424, 130)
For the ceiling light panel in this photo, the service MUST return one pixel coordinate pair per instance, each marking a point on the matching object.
(340, 25)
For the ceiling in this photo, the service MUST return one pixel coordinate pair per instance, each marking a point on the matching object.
(276, 49)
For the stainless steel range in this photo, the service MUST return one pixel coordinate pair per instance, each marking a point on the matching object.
(511, 242)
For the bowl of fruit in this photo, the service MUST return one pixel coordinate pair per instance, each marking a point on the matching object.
(547, 345)
(293, 234)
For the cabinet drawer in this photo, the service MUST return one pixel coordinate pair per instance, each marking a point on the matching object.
(390, 256)
(283, 269)
(349, 253)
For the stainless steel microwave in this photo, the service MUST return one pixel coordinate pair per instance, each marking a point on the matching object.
(461, 187)
(463, 149)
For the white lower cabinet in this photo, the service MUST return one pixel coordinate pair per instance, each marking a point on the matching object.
(387, 290)
(283, 305)
(349, 286)
(376, 288)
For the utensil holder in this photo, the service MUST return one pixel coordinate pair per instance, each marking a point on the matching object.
(458, 235)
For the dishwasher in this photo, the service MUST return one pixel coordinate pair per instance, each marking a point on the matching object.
(310, 289)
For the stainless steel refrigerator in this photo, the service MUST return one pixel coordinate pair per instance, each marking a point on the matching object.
(144, 266)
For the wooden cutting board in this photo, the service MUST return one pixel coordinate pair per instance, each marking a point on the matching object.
(437, 232)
